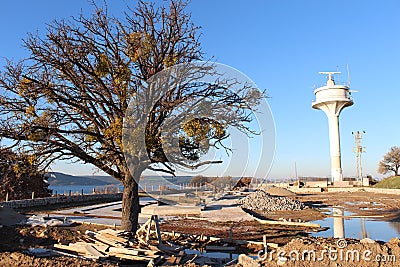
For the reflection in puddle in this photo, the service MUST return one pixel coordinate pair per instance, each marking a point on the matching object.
(338, 222)
(341, 226)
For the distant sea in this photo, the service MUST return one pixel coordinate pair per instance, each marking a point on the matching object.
(87, 189)
(148, 184)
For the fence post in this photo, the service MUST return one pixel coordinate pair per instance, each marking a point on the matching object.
(7, 197)
(33, 195)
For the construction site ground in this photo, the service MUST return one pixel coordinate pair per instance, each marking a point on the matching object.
(225, 220)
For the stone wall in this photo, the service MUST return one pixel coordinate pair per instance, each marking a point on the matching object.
(37, 202)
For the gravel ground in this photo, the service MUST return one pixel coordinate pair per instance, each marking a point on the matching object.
(260, 200)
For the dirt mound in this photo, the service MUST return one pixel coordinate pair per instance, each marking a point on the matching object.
(313, 252)
(261, 200)
(20, 259)
(10, 217)
(276, 191)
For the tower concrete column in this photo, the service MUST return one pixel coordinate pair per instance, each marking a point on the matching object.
(334, 141)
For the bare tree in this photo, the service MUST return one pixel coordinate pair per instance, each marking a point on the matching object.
(390, 162)
(88, 92)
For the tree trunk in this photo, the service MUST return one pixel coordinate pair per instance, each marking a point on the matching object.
(130, 204)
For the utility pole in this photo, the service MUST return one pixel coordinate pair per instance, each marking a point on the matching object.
(358, 149)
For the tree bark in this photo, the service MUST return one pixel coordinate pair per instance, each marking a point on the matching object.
(130, 204)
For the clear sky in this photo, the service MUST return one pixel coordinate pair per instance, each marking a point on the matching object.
(281, 46)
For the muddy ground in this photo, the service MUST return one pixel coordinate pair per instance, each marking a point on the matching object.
(359, 203)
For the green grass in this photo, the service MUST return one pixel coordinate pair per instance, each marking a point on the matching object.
(390, 182)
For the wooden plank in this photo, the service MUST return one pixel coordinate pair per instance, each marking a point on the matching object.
(157, 225)
(146, 251)
(101, 247)
(82, 247)
(108, 241)
(213, 238)
(82, 253)
(133, 257)
(180, 256)
(111, 231)
(93, 251)
(143, 227)
(192, 259)
(129, 251)
(171, 259)
(148, 229)
(114, 238)
(77, 249)
(67, 254)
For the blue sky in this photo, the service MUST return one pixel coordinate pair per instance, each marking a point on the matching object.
(281, 46)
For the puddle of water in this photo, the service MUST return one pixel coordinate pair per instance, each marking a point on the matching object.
(358, 203)
(359, 228)
(216, 255)
(375, 209)
(330, 211)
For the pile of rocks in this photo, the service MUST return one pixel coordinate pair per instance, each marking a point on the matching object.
(261, 200)
(277, 191)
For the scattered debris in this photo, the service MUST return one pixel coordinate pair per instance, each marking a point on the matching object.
(35, 220)
(41, 252)
(10, 217)
(105, 244)
(260, 200)
(247, 261)
(151, 246)
(367, 241)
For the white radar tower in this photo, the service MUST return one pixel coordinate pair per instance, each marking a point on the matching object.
(332, 99)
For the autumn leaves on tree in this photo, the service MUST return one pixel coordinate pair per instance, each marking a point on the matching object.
(390, 162)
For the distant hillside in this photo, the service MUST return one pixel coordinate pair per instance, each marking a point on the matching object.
(106, 179)
(57, 178)
(62, 179)
(390, 182)
(152, 179)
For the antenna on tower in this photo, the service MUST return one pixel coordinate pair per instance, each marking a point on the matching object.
(348, 75)
(329, 73)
